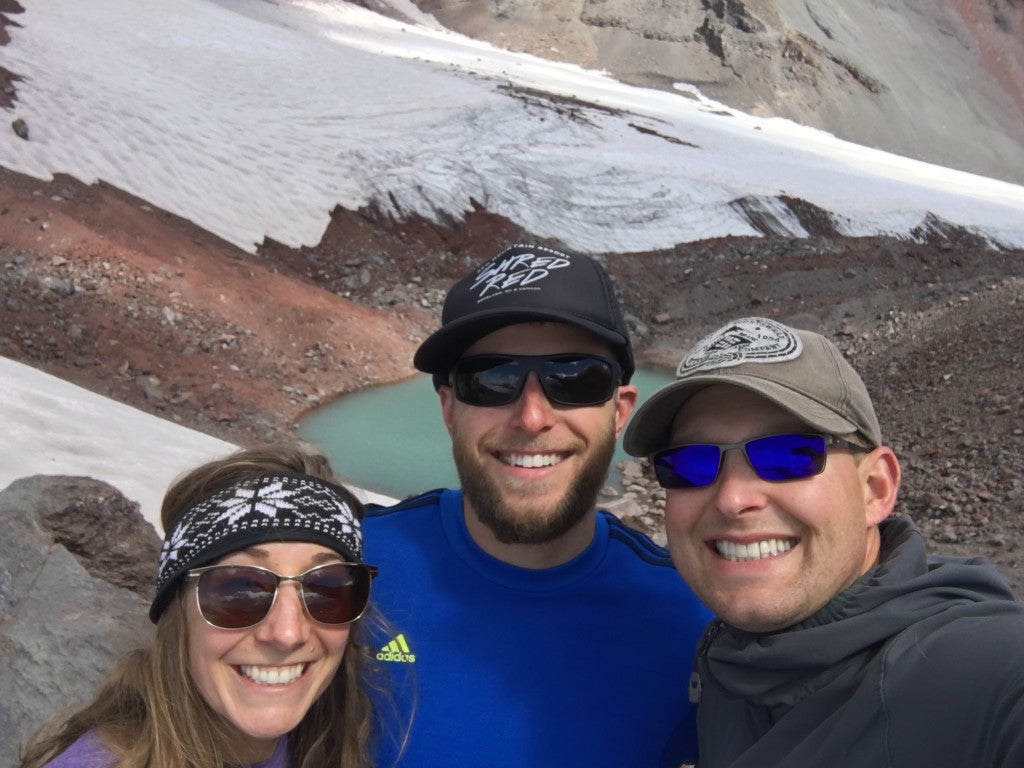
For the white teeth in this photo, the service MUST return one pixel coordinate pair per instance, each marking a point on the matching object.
(739, 553)
(531, 460)
(272, 675)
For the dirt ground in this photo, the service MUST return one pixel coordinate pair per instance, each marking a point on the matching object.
(101, 289)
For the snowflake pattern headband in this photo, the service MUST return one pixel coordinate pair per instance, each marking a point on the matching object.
(273, 507)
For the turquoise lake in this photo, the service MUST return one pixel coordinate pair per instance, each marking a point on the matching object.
(392, 440)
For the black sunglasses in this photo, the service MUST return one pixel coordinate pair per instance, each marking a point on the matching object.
(577, 380)
(241, 596)
(775, 458)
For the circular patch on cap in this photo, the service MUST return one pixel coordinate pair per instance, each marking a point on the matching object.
(747, 340)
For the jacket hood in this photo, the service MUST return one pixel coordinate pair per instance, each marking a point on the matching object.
(907, 587)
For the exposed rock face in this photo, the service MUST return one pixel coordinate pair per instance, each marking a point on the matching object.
(76, 565)
(937, 80)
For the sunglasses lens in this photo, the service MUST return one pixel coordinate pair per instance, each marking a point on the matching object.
(578, 381)
(235, 597)
(336, 594)
(787, 457)
(488, 381)
(689, 466)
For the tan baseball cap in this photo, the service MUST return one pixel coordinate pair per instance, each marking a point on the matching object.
(800, 371)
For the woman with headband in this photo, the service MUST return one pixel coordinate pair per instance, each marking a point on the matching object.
(256, 659)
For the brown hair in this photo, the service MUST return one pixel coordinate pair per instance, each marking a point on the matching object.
(149, 712)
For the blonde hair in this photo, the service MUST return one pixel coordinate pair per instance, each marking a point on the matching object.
(149, 712)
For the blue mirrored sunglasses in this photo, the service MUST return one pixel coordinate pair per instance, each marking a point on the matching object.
(775, 458)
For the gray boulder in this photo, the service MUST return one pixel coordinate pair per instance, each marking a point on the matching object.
(76, 565)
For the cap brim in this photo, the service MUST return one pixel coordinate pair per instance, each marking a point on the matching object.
(650, 428)
(444, 347)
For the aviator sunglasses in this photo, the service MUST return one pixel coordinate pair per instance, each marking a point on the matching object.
(241, 596)
(775, 458)
(576, 380)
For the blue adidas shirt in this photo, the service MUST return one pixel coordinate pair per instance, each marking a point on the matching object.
(582, 665)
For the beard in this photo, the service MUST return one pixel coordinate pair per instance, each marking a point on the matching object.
(513, 518)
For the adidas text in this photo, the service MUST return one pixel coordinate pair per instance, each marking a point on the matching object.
(396, 656)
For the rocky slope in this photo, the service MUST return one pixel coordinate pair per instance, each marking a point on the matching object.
(103, 290)
(937, 80)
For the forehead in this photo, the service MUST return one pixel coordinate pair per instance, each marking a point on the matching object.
(269, 553)
(726, 413)
(539, 338)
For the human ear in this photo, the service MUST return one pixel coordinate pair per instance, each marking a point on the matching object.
(880, 479)
(625, 402)
(447, 405)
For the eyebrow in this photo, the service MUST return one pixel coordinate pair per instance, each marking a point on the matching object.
(324, 556)
(686, 437)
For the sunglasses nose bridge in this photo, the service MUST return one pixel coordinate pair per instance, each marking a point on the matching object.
(737, 487)
(299, 589)
(723, 451)
(533, 406)
(531, 377)
(287, 623)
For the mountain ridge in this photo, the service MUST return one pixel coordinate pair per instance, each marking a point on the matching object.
(936, 80)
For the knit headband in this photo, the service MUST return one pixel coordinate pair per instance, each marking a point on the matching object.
(273, 507)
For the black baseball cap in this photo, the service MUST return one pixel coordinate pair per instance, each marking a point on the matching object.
(526, 283)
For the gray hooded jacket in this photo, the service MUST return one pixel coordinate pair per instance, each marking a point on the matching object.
(919, 664)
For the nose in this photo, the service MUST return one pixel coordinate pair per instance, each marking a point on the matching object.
(533, 410)
(286, 626)
(738, 490)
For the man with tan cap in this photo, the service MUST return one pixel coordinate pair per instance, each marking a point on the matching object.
(840, 641)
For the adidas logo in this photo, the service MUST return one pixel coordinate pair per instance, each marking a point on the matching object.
(396, 650)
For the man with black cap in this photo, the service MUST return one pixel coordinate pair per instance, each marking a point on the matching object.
(840, 641)
(538, 630)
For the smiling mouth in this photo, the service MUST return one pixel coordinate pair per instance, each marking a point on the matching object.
(272, 675)
(531, 460)
(756, 550)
